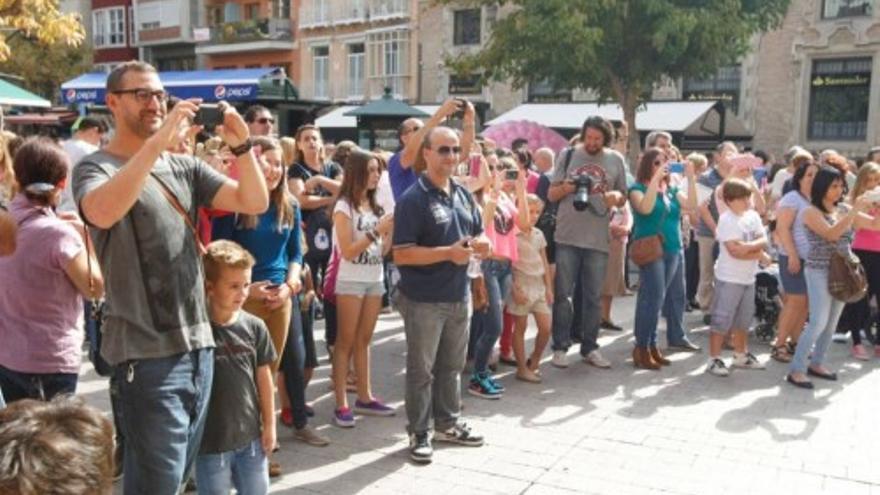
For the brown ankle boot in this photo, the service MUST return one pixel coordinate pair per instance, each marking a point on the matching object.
(657, 357)
(642, 359)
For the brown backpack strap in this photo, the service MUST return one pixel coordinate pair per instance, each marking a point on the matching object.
(183, 213)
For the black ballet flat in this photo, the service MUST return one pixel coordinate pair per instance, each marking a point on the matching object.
(808, 385)
(832, 377)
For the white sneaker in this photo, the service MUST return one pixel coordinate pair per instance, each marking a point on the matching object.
(717, 367)
(559, 359)
(594, 358)
(747, 361)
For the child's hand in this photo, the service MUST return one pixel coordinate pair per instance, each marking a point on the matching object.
(765, 259)
(519, 297)
(548, 293)
(268, 439)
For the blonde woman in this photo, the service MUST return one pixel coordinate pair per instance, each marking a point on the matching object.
(866, 245)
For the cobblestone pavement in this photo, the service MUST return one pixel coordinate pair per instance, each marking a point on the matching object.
(617, 431)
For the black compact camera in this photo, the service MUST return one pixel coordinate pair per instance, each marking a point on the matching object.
(209, 116)
(583, 184)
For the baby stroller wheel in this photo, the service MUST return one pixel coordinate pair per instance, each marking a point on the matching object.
(764, 332)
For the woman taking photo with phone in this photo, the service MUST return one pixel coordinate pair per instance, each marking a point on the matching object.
(362, 233)
(657, 209)
(830, 226)
(505, 213)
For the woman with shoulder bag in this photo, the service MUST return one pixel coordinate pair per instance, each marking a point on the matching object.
(657, 249)
(830, 227)
(44, 282)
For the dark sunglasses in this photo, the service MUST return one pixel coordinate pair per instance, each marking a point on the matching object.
(144, 95)
(265, 120)
(448, 150)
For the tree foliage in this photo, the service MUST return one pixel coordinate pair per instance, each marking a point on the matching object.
(44, 68)
(617, 48)
(38, 20)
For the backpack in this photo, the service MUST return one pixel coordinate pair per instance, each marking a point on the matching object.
(547, 221)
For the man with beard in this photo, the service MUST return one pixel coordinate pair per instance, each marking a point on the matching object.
(582, 235)
(141, 203)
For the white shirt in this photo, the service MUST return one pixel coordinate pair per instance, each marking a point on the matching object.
(367, 266)
(778, 183)
(76, 150)
(747, 227)
(384, 195)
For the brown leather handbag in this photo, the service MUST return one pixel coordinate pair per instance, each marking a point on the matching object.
(847, 280)
(479, 294)
(646, 250)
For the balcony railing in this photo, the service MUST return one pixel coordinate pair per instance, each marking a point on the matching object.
(335, 12)
(252, 30)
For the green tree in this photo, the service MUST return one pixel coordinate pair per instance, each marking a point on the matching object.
(39, 20)
(617, 48)
(44, 68)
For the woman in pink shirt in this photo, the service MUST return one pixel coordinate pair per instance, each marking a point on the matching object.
(866, 245)
(40, 297)
(504, 213)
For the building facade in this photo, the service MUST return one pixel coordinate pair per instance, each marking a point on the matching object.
(239, 34)
(818, 78)
(352, 49)
(165, 32)
(112, 34)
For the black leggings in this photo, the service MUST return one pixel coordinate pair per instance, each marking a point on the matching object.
(857, 316)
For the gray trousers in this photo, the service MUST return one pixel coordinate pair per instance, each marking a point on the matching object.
(436, 347)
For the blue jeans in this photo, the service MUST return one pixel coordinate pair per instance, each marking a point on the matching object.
(824, 313)
(164, 403)
(661, 287)
(40, 386)
(246, 469)
(588, 265)
(485, 333)
(292, 362)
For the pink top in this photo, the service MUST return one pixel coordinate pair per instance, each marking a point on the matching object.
(532, 180)
(502, 232)
(866, 239)
(40, 307)
(330, 276)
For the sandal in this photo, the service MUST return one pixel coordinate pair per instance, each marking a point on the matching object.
(780, 353)
(274, 469)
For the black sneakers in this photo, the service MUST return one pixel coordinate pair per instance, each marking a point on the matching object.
(420, 449)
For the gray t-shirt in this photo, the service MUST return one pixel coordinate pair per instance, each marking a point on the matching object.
(233, 418)
(587, 229)
(154, 278)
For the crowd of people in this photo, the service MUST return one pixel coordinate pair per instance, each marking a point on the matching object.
(198, 260)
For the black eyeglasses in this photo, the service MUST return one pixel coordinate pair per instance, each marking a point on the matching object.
(265, 120)
(144, 95)
(447, 150)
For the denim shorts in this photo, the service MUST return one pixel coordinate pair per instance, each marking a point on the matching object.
(733, 306)
(792, 283)
(354, 288)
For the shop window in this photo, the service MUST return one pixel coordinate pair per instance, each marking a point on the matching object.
(724, 85)
(840, 91)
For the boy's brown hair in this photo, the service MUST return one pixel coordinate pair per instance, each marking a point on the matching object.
(225, 254)
(734, 189)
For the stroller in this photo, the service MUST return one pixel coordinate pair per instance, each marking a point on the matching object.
(768, 303)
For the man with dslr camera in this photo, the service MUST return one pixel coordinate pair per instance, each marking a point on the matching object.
(141, 203)
(586, 185)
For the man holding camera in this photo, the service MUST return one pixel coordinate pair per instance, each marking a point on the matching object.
(141, 203)
(586, 186)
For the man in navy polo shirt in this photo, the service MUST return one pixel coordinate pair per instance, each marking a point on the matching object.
(437, 229)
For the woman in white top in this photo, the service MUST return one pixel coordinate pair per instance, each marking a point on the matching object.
(362, 234)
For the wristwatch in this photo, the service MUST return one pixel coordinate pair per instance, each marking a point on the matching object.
(243, 147)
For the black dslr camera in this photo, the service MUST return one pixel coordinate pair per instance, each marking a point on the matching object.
(583, 184)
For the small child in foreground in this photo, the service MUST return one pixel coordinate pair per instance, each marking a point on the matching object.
(742, 240)
(240, 426)
(532, 293)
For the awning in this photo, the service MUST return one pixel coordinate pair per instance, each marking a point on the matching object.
(50, 118)
(692, 118)
(209, 85)
(12, 95)
(337, 119)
